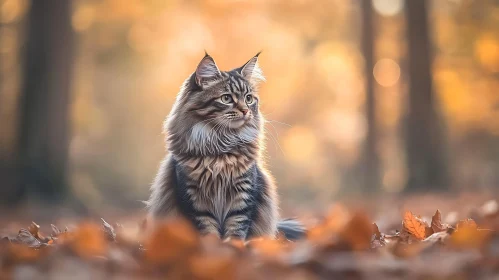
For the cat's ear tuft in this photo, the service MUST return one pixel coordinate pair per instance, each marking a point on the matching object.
(251, 71)
(206, 71)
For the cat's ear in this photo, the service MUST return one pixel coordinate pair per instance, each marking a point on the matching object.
(206, 71)
(251, 71)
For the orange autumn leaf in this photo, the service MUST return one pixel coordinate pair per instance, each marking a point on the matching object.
(333, 223)
(22, 253)
(266, 246)
(414, 226)
(172, 240)
(466, 224)
(239, 244)
(469, 238)
(212, 266)
(357, 232)
(88, 241)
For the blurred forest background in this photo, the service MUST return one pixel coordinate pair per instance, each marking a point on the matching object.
(362, 97)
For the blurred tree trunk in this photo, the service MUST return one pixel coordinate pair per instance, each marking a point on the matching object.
(371, 162)
(44, 103)
(427, 167)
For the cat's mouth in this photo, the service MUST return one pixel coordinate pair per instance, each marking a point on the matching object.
(238, 121)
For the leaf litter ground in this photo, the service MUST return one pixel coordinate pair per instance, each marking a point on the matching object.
(343, 244)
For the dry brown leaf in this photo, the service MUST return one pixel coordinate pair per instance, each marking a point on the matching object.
(437, 237)
(34, 229)
(25, 237)
(391, 239)
(357, 232)
(335, 220)
(89, 241)
(169, 241)
(414, 226)
(55, 230)
(377, 239)
(376, 232)
(108, 230)
(436, 222)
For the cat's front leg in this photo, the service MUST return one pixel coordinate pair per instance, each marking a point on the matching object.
(265, 218)
(236, 226)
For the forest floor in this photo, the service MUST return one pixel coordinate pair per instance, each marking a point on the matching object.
(419, 237)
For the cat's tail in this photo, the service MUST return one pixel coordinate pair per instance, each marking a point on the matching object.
(292, 229)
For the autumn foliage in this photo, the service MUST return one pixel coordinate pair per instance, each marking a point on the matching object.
(344, 244)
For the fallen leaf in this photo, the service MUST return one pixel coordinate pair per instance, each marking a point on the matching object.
(392, 238)
(414, 226)
(436, 222)
(377, 239)
(324, 232)
(20, 253)
(25, 237)
(108, 230)
(55, 230)
(34, 228)
(357, 232)
(239, 244)
(376, 232)
(266, 247)
(175, 239)
(466, 224)
(212, 267)
(88, 240)
(437, 237)
(468, 237)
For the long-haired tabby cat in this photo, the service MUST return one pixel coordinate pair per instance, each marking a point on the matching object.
(213, 174)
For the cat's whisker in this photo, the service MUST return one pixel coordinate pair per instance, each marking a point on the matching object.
(266, 131)
(209, 121)
(275, 141)
(278, 122)
(275, 130)
(216, 129)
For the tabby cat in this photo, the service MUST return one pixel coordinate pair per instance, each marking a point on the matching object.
(213, 174)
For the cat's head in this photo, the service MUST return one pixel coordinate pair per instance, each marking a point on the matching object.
(218, 107)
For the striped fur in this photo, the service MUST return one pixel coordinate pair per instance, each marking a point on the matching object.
(213, 173)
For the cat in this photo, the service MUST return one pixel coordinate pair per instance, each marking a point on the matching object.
(214, 173)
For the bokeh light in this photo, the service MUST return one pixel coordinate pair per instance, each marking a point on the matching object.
(83, 17)
(386, 72)
(388, 7)
(487, 52)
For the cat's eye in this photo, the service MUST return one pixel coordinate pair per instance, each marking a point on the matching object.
(226, 98)
(249, 99)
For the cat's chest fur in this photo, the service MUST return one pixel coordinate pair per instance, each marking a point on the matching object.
(217, 186)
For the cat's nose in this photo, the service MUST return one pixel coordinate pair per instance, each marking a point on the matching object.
(244, 111)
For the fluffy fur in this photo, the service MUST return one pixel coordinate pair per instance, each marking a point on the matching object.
(213, 174)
